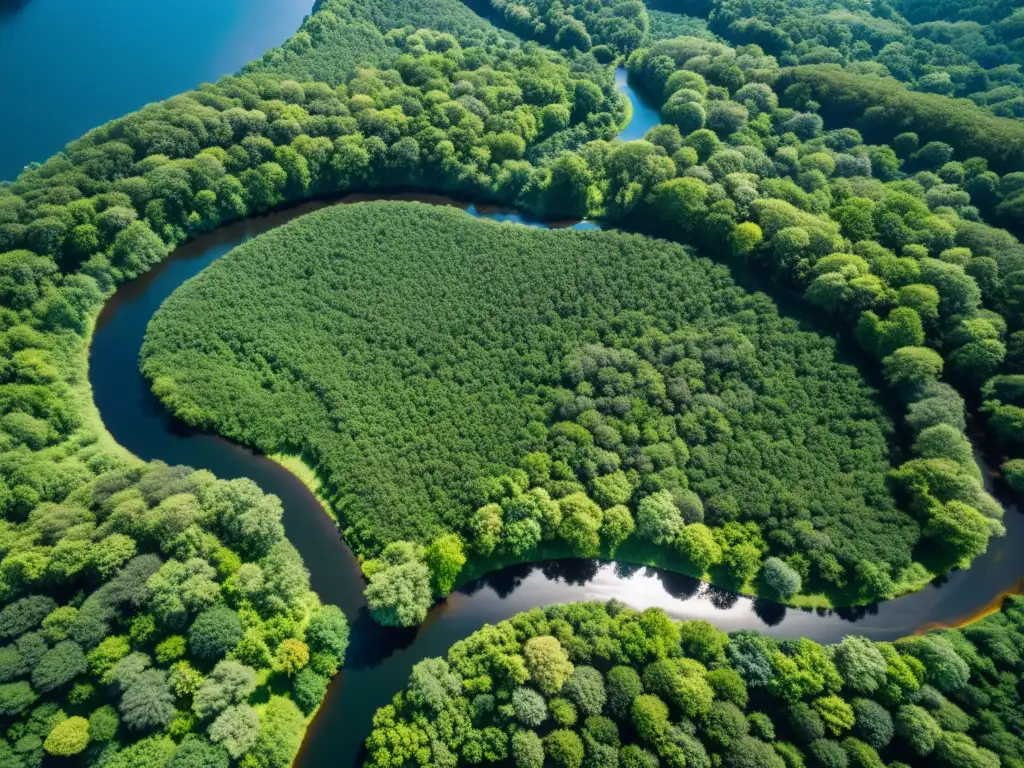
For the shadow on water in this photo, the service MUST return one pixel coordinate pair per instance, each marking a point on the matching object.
(380, 659)
(11, 7)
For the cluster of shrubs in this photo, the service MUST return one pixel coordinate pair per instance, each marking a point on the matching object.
(603, 686)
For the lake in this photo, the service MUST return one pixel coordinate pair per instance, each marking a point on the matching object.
(70, 65)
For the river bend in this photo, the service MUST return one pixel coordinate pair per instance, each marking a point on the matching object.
(379, 659)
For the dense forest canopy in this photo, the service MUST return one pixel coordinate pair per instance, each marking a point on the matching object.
(891, 240)
(434, 367)
(604, 686)
(971, 50)
(155, 616)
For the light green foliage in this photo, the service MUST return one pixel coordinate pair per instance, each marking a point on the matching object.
(445, 559)
(68, 738)
(547, 663)
(669, 715)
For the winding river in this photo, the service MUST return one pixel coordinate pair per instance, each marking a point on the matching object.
(379, 660)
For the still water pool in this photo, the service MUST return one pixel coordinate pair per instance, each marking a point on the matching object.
(70, 65)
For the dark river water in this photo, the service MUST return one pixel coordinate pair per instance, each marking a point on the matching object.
(70, 65)
(379, 659)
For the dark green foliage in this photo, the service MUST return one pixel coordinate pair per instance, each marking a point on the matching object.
(147, 702)
(58, 667)
(874, 723)
(25, 614)
(195, 752)
(381, 497)
(215, 631)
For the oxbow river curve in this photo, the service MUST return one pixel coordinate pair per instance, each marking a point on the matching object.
(379, 660)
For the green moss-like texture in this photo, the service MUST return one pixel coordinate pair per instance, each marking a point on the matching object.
(430, 364)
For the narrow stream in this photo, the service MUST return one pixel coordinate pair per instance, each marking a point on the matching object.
(379, 660)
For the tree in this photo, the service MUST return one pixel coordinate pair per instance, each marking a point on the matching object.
(568, 190)
(229, 683)
(698, 545)
(214, 632)
(835, 713)
(400, 596)
(745, 238)
(960, 529)
(912, 366)
(943, 666)
(58, 667)
(617, 526)
(309, 688)
(860, 663)
(563, 713)
(609, 490)
(748, 752)
(280, 733)
(828, 754)
(15, 697)
(873, 723)
(445, 559)
(680, 204)
(527, 750)
(328, 631)
(249, 519)
(682, 684)
(918, 728)
(485, 527)
(780, 579)
(658, 519)
(103, 724)
(725, 723)
(585, 688)
(633, 756)
(959, 749)
(136, 248)
(196, 752)
(623, 686)
(976, 362)
(1013, 473)
(236, 728)
(25, 614)
(292, 656)
(529, 707)
(581, 524)
(147, 702)
(433, 685)
(547, 663)
(68, 738)
(958, 293)
(184, 679)
(650, 718)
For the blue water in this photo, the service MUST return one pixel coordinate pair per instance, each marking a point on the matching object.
(645, 116)
(70, 65)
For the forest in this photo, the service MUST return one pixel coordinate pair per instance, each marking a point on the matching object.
(604, 686)
(862, 156)
(514, 385)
